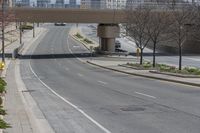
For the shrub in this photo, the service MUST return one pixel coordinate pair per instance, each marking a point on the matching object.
(26, 27)
(147, 65)
(1, 101)
(4, 125)
(2, 88)
(2, 111)
(2, 82)
(78, 35)
(87, 40)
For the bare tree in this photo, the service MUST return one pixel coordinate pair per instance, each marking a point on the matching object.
(159, 23)
(138, 20)
(181, 17)
(7, 17)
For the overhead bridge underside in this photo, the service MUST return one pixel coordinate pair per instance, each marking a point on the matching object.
(52, 15)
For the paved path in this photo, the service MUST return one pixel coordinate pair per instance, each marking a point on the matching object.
(18, 116)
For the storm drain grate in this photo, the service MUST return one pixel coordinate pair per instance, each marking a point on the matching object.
(28, 91)
(131, 108)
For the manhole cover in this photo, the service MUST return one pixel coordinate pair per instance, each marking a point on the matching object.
(133, 108)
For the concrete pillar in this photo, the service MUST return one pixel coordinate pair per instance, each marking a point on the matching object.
(107, 34)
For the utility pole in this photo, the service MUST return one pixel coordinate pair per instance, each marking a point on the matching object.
(20, 32)
(3, 31)
(33, 30)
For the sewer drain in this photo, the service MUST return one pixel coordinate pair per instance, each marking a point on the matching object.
(28, 91)
(133, 108)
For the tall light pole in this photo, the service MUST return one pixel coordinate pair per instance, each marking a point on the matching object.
(20, 32)
(33, 30)
(3, 30)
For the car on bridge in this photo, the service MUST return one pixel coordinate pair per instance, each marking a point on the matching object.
(59, 24)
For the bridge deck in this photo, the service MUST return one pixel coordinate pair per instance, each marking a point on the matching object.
(70, 15)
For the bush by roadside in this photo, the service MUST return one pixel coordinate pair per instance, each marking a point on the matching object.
(87, 41)
(167, 68)
(81, 38)
(78, 35)
(3, 124)
(26, 27)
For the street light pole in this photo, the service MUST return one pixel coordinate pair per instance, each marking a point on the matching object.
(20, 32)
(33, 30)
(3, 31)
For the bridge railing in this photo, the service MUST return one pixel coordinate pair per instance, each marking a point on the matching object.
(104, 4)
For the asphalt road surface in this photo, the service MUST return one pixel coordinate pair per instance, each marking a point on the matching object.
(78, 98)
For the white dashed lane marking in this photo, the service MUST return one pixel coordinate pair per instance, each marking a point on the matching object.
(145, 95)
(80, 75)
(102, 82)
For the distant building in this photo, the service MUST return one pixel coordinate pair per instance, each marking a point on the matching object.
(94, 4)
(135, 3)
(72, 3)
(59, 3)
(85, 4)
(115, 4)
(43, 3)
(26, 2)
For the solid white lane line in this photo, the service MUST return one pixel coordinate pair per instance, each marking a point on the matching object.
(102, 82)
(145, 95)
(76, 46)
(194, 59)
(80, 75)
(71, 50)
(71, 104)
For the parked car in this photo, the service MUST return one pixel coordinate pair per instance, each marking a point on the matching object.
(117, 44)
(121, 52)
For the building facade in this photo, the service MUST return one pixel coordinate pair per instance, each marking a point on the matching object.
(116, 4)
(43, 3)
(94, 4)
(59, 3)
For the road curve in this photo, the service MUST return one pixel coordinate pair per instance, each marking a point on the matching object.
(77, 97)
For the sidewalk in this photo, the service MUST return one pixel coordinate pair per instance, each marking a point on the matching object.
(17, 115)
(114, 65)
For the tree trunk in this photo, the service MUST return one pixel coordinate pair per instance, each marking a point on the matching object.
(154, 54)
(141, 56)
(20, 33)
(180, 58)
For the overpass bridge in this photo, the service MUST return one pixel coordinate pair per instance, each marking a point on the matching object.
(52, 15)
(108, 20)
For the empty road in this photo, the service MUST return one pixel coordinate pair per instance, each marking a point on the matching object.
(76, 97)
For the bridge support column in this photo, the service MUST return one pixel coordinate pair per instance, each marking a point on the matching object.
(107, 34)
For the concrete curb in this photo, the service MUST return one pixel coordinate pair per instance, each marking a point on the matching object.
(37, 119)
(174, 74)
(146, 76)
(3, 75)
(76, 39)
(84, 44)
